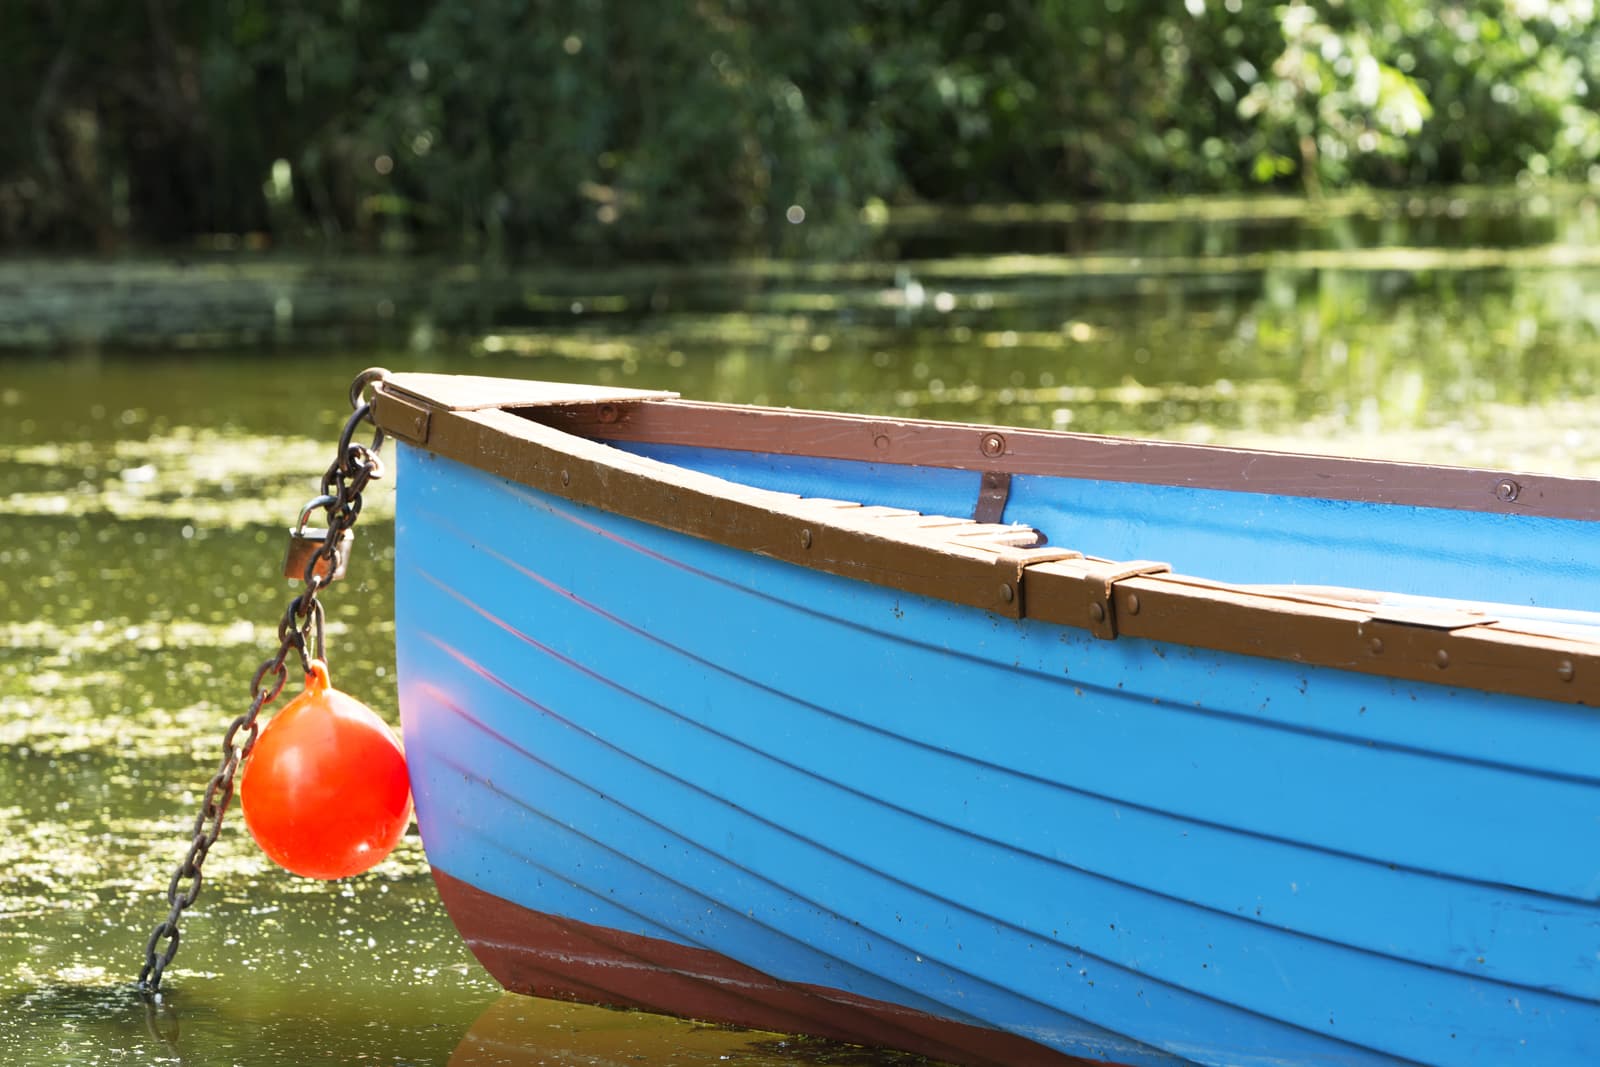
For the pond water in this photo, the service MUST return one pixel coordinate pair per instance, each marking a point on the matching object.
(143, 495)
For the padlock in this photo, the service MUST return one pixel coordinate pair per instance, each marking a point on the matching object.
(305, 542)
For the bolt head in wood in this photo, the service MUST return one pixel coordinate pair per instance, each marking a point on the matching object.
(993, 444)
(1097, 612)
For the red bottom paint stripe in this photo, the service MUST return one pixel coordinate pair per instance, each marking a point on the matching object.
(541, 955)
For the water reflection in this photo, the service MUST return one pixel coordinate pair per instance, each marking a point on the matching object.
(1496, 368)
(108, 1016)
(518, 1031)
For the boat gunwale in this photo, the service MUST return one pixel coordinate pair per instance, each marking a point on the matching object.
(1065, 454)
(551, 438)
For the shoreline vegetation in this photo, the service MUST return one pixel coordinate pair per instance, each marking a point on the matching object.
(232, 292)
(228, 292)
(523, 131)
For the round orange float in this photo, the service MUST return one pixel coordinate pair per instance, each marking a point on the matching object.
(325, 791)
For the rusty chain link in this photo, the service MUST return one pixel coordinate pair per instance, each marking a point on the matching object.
(352, 469)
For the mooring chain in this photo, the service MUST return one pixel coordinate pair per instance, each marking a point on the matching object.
(301, 626)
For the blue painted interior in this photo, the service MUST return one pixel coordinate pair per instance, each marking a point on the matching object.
(1225, 535)
(1144, 853)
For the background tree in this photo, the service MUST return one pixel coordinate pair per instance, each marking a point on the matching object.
(601, 127)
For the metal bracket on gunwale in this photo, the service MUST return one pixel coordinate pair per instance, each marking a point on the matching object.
(1102, 581)
(993, 492)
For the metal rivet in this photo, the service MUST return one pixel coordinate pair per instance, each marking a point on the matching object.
(1507, 490)
(1564, 670)
(608, 413)
(1007, 593)
(1376, 644)
(1097, 612)
(566, 479)
(1133, 603)
(993, 444)
(805, 538)
(1441, 659)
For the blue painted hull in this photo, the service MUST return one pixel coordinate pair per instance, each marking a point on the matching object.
(1126, 851)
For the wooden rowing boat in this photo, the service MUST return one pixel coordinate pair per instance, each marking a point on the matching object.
(1003, 746)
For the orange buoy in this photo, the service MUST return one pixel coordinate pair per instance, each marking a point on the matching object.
(325, 790)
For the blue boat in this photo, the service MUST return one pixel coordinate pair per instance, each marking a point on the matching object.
(1002, 746)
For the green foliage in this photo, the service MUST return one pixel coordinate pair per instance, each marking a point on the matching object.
(554, 122)
(1334, 98)
(522, 128)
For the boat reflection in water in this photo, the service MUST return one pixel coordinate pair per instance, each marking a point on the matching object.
(519, 1031)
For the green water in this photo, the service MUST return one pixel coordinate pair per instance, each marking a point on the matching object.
(143, 496)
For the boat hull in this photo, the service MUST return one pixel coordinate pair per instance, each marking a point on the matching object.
(654, 770)
(567, 959)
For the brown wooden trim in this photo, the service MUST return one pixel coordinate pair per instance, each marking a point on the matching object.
(471, 392)
(1178, 610)
(952, 559)
(1117, 459)
(1002, 569)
